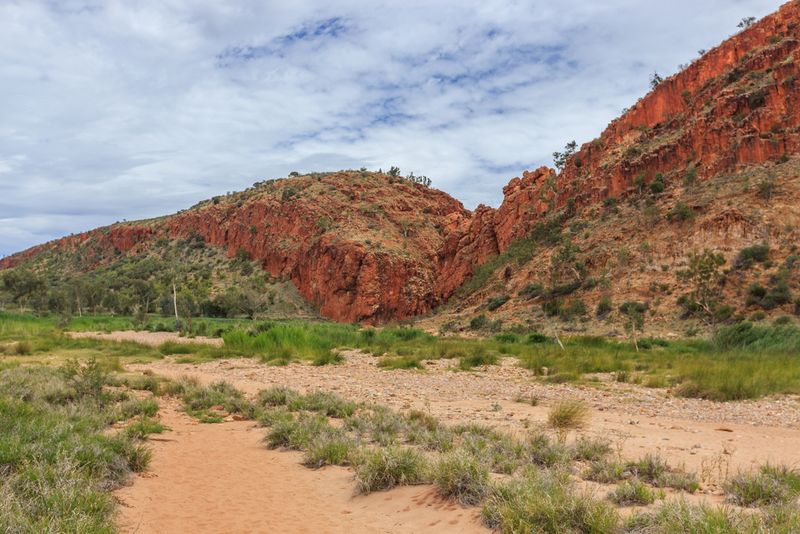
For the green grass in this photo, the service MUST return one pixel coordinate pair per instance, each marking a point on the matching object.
(143, 427)
(400, 362)
(57, 457)
(200, 402)
(548, 503)
(461, 476)
(741, 361)
(633, 492)
(769, 486)
(386, 467)
(568, 415)
(330, 448)
(478, 357)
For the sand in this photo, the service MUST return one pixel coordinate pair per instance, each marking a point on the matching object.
(214, 478)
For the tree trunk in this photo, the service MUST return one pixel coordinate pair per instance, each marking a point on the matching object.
(175, 301)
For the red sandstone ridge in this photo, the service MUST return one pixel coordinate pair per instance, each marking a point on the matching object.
(737, 105)
(361, 246)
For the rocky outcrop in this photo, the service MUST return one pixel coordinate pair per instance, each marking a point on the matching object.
(737, 105)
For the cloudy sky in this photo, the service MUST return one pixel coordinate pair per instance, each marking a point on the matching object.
(113, 110)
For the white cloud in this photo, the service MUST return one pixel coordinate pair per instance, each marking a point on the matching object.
(119, 109)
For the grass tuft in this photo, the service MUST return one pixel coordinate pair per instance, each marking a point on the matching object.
(387, 467)
(632, 492)
(459, 475)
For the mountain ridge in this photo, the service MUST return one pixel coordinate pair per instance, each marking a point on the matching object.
(372, 247)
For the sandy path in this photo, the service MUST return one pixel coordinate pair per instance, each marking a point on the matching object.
(220, 478)
(707, 437)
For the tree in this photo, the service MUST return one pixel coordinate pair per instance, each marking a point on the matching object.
(746, 22)
(655, 80)
(633, 314)
(704, 276)
(394, 171)
(560, 158)
(24, 287)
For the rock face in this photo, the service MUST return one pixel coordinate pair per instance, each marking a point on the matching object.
(737, 105)
(369, 247)
(362, 248)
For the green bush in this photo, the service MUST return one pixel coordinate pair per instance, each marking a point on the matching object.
(749, 256)
(495, 302)
(680, 212)
(604, 307)
(478, 323)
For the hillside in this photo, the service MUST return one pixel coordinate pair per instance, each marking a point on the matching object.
(357, 245)
(706, 160)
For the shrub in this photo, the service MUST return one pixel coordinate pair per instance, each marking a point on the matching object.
(328, 404)
(542, 451)
(271, 416)
(679, 481)
(532, 291)
(678, 516)
(297, 434)
(143, 427)
(495, 302)
(575, 308)
(387, 467)
(749, 256)
(777, 294)
(402, 362)
(766, 187)
(632, 492)
(462, 477)
(649, 468)
(690, 175)
(680, 212)
(507, 337)
(605, 472)
(604, 307)
(327, 358)
(198, 402)
(538, 338)
(657, 186)
(478, 323)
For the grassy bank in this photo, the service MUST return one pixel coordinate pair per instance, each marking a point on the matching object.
(57, 458)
